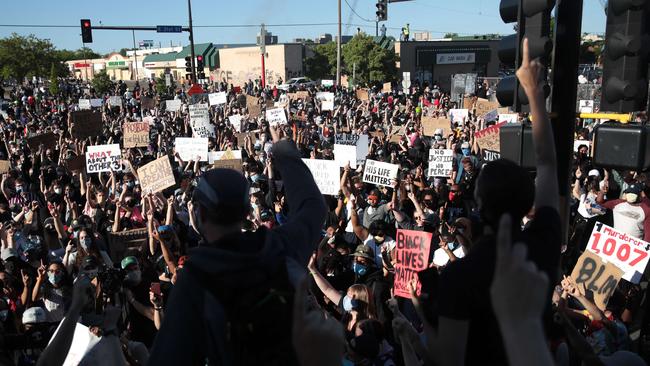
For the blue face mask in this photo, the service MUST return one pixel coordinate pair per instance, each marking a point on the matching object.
(4, 314)
(466, 152)
(54, 278)
(255, 178)
(347, 303)
(359, 269)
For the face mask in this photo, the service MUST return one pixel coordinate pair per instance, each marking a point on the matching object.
(255, 178)
(133, 278)
(57, 190)
(4, 314)
(380, 239)
(466, 152)
(347, 303)
(359, 269)
(19, 189)
(452, 195)
(130, 185)
(54, 278)
(631, 197)
(85, 243)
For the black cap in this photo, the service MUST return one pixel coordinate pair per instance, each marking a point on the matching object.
(221, 189)
(635, 188)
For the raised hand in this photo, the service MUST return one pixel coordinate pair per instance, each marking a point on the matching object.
(530, 71)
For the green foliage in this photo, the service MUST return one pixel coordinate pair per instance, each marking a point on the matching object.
(25, 56)
(123, 51)
(323, 64)
(371, 63)
(450, 35)
(102, 82)
(84, 53)
(54, 81)
(161, 87)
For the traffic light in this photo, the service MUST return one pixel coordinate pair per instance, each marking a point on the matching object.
(86, 31)
(199, 63)
(537, 28)
(625, 62)
(382, 10)
(509, 55)
(188, 64)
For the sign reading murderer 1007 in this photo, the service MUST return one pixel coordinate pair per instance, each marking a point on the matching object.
(411, 255)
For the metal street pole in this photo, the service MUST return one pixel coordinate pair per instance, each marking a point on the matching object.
(135, 56)
(338, 51)
(189, 10)
(376, 28)
(263, 51)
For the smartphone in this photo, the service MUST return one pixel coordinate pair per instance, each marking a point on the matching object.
(155, 288)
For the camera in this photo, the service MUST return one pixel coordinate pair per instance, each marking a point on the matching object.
(111, 279)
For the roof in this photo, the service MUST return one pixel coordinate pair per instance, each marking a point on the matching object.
(199, 49)
(161, 57)
(481, 37)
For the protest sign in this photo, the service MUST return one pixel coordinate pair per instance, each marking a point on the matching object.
(458, 115)
(327, 100)
(84, 104)
(5, 166)
(484, 106)
(200, 120)
(276, 116)
(136, 134)
(223, 155)
(327, 83)
(387, 88)
(626, 252)
(48, 140)
(241, 138)
(327, 175)
(412, 255)
(509, 117)
(578, 143)
(430, 125)
(217, 98)
(380, 173)
(76, 163)
(103, 158)
(121, 241)
(378, 134)
(596, 278)
(96, 102)
(86, 124)
(586, 106)
(149, 120)
(488, 138)
(148, 103)
(468, 103)
(441, 162)
(173, 105)
(349, 148)
(82, 342)
(397, 132)
(491, 116)
(362, 94)
(234, 164)
(503, 110)
(236, 122)
(156, 175)
(253, 106)
(115, 101)
(192, 148)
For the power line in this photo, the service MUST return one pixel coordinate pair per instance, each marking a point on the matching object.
(359, 16)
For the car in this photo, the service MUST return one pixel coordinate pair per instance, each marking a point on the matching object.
(297, 83)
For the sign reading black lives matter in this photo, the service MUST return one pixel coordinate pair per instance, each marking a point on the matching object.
(379, 173)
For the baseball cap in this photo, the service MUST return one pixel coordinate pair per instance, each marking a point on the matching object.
(223, 188)
(634, 188)
(128, 261)
(89, 263)
(438, 131)
(34, 315)
(594, 172)
(364, 251)
(465, 145)
(266, 215)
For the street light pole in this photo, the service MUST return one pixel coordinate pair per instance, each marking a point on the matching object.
(338, 51)
(135, 57)
(263, 52)
(189, 10)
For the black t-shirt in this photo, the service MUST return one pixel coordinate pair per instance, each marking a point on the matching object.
(464, 285)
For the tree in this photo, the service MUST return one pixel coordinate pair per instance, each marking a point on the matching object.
(450, 35)
(322, 64)
(371, 62)
(25, 56)
(161, 85)
(83, 53)
(54, 80)
(102, 82)
(123, 51)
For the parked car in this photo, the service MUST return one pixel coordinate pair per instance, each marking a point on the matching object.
(297, 83)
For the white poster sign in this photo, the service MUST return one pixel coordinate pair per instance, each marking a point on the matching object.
(578, 143)
(327, 100)
(200, 120)
(586, 106)
(458, 115)
(327, 83)
(192, 148)
(103, 158)
(218, 155)
(96, 102)
(82, 342)
(508, 117)
(406, 79)
(236, 121)
(326, 173)
(379, 173)
(441, 162)
(276, 116)
(217, 98)
(115, 101)
(173, 105)
(84, 104)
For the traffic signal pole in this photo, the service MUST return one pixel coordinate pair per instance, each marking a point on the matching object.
(189, 10)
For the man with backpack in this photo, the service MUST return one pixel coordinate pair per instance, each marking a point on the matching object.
(232, 303)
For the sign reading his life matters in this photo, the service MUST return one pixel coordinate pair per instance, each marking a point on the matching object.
(380, 173)
(412, 255)
(189, 148)
(626, 252)
(103, 158)
(596, 277)
(276, 116)
(441, 162)
(156, 176)
(136, 134)
(200, 120)
(326, 173)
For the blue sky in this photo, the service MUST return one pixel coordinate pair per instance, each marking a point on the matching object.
(459, 16)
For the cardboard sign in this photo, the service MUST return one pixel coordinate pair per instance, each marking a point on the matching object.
(190, 148)
(84, 104)
(458, 115)
(115, 101)
(136, 134)
(441, 162)
(241, 138)
(626, 252)
(327, 100)
(387, 88)
(200, 120)
(362, 94)
(234, 164)
(223, 155)
(380, 173)
(276, 116)
(148, 103)
(412, 255)
(103, 158)
(484, 106)
(578, 143)
(468, 103)
(596, 278)
(5, 166)
(156, 176)
(86, 124)
(173, 105)
(253, 106)
(489, 138)
(509, 117)
(217, 98)
(48, 140)
(397, 133)
(76, 163)
(236, 122)
(327, 175)
(430, 125)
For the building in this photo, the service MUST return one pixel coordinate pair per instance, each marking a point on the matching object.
(437, 61)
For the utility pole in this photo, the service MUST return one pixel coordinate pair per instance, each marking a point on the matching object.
(376, 28)
(135, 57)
(263, 51)
(189, 10)
(338, 51)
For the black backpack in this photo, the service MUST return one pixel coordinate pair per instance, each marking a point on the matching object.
(258, 315)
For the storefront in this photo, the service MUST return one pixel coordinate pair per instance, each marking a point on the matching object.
(118, 67)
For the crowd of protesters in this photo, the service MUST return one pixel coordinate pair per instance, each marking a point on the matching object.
(260, 268)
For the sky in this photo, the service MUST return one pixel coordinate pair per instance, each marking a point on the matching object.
(288, 19)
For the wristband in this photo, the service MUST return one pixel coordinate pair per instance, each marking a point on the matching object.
(157, 308)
